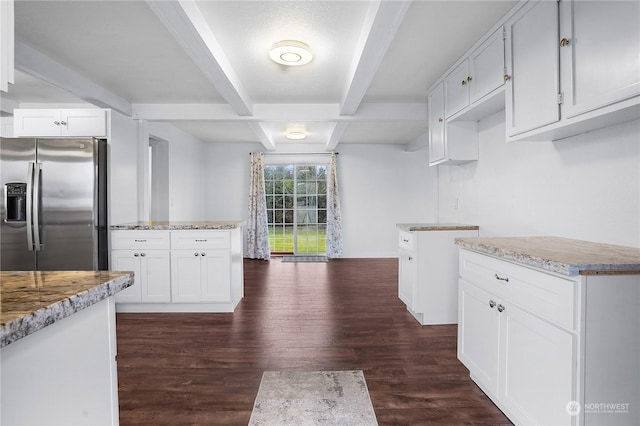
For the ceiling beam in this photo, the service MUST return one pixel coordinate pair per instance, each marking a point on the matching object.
(35, 63)
(380, 27)
(263, 136)
(336, 134)
(185, 22)
(281, 112)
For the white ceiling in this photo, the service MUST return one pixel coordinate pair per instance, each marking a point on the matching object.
(204, 66)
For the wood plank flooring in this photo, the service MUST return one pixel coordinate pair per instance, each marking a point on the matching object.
(205, 369)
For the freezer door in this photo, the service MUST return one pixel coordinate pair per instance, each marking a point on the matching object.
(67, 232)
(16, 156)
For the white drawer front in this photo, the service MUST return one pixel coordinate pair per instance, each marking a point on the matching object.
(133, 240)
(549, 296)
(200, 240)
(406, 240)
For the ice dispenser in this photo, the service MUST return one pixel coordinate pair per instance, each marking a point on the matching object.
(15, 202)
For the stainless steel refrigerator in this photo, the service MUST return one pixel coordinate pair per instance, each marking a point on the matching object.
(54, 204)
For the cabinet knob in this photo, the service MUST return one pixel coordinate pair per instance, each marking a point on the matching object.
(136, 254)
(468, 79)
(196, 254)
(501, 308)
(463, 82)
(564, 42)
(203, 254)
(492, 304)
(64, 123)
(440, 120)
(143, 254)
(507, 77)
(57, 123)
(499, 278)
(410, 258)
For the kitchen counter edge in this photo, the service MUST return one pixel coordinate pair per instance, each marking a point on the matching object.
(411, 227)
(167, 226)
(40, 318)
(559, 255)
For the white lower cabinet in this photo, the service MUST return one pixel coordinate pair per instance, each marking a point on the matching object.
(179, 270)
(151, 275)
(200, 276)
(541, 344)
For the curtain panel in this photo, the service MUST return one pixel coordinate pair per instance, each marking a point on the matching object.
(334, 216)
(257, 227)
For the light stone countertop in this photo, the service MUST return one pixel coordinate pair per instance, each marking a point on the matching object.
(410, 227)
(32, 300)
(560, 255)
(163, 226)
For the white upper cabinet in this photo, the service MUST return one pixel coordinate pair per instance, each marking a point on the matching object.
(573, 67)
(532, 68)
(479, 74)
(600, 54)
(60, 122)
(436, 125)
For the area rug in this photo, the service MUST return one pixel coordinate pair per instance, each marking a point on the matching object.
(304, 258)
(313, 398)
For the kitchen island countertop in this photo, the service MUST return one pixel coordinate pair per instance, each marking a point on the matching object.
(410, 227)
(32, 300)
(177, 225)
(560, 255)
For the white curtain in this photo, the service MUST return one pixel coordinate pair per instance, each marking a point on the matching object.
(334, 217)
(257, 228)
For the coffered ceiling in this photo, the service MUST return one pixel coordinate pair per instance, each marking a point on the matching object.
(204, 65)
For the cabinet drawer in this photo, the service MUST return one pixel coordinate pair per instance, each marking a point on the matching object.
(406, 240)
(200, 240)
(546, 295)
(133, 240)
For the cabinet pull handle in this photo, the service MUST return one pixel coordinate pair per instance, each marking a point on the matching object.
(405, 240)
(440, 120)
(143, 254)
(501, 308)
(196, 254)
(492, 304)
(201, 241)
(499, 278)
(136, 254)
(507, 77)
(564, 42)
(140, 241)
(203, 254)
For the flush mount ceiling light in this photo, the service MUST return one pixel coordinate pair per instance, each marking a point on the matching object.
(296, 136)
(290, 52)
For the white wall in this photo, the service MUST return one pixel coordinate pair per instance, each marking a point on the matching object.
(586, 187)
(380, 185)
(187, 182)
(123, 170)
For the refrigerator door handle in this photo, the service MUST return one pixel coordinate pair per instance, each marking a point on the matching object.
(30, 174)
(37, 196)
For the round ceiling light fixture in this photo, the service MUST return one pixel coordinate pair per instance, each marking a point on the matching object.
(291, 52)
(296, 136)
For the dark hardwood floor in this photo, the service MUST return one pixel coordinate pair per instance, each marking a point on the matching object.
(205, 369)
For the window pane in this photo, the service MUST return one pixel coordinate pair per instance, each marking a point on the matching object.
(279, 201)
(322, 201)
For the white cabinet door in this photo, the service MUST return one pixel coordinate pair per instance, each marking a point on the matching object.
(533, 66)
(537, 368)
(216, 275)
(456, 89)
(407, 278)
(486, 67)
(60, 122)
(126, 260)
(437, 151)
(478, 334)
(186, 276)
(601, 58)
(155, 276)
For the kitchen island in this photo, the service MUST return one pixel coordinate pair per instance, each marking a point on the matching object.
(58, 347)
(180, 266)
(549, 328)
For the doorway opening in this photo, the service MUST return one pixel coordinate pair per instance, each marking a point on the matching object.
(296, 196)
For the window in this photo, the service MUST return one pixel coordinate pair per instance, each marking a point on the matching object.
(296, 196)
